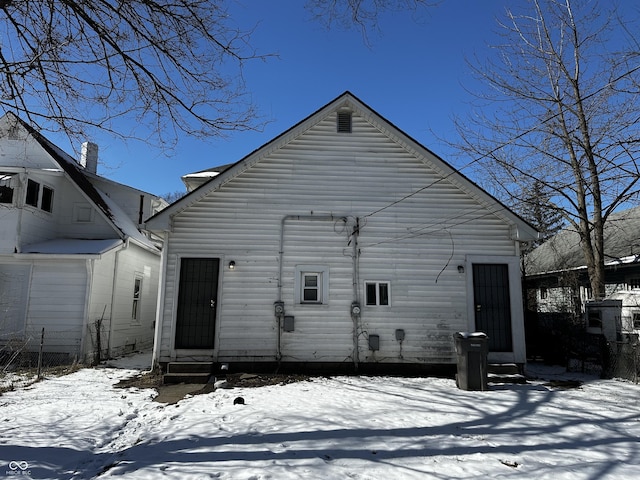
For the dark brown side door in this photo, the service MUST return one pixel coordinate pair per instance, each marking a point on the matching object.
(493, 305)
(197, 295)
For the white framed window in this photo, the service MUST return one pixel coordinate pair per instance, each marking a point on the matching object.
(377, 293)
(634, 283)
(137, 296)
(6, 187)
(312, 284)
(33, 193)
(39, 196)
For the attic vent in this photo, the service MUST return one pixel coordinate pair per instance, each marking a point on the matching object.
(344, 122)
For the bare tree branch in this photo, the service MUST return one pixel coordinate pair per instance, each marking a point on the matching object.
(561, 113)
(172, 66)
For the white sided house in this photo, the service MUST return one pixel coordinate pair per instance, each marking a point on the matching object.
(72, 259)
(341, 242)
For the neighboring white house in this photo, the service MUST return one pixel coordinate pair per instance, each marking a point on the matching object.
(71, 253)
(342, 241)
(557, 279)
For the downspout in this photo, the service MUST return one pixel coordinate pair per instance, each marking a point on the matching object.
(20, 203)
(89, 265)
(114, 285)
(279, 304)
(155, 357)
(356, 309)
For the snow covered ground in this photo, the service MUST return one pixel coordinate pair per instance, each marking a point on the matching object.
(79, 426)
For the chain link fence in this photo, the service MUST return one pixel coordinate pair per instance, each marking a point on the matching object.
(623, 360)
(27, 357)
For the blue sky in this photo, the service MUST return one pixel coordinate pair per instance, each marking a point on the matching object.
(413, 73)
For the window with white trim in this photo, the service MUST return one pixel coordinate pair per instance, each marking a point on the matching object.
(39, 196)
(6, 187)
(634, 283)
(377, 293)
(137, 294)
(312, 284)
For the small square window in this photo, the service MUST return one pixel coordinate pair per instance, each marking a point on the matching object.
(377, 293)
(311, 292)
(634, 283)
(311, 284)
(33, 192)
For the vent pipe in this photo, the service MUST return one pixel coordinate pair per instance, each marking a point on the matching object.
(89, 157)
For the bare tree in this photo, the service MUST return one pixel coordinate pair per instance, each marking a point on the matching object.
(362, 14)
(82, 64)
(561, 115)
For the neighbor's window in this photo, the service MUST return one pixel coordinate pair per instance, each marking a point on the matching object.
(35, 199)
(312, 284)
(636, 320)
(47, 199)
(543, 293)
(377, 293)
(634, 283)
(33, 192)
(137, 292)
(6, 190)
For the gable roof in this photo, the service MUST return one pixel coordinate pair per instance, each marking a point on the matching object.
(563, 251)
(522, 230)
(123, 226)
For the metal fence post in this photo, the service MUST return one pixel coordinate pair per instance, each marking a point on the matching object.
(40, 353)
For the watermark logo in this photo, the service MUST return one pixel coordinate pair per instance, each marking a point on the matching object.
(18, 468)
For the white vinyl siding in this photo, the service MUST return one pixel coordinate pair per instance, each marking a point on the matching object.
(415, 240)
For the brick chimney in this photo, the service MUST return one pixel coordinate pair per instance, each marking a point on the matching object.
(89, 157)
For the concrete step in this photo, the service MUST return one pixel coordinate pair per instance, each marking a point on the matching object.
(188, 372)
(504, 373)
(189, 367)
(184, 377)
(494, 378)
(503, 369)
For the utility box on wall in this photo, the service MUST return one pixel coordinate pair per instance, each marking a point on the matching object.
(374, 342)
(288, 324)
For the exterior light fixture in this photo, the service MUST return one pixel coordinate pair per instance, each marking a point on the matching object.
(460, 268)
(232, 265)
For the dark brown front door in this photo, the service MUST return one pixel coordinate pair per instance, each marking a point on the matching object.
(493, 305)
(197, 294)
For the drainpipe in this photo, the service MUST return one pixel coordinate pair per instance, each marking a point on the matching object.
(155, 357)
(356, 309)
(279, 304)
(114, 286)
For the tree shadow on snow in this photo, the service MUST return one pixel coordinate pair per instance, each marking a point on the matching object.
(532, 414)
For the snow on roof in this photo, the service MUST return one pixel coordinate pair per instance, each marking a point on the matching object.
(73, 246)
(564, 252)
(123, 224)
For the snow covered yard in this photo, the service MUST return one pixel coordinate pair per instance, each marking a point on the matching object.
(79, 426)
